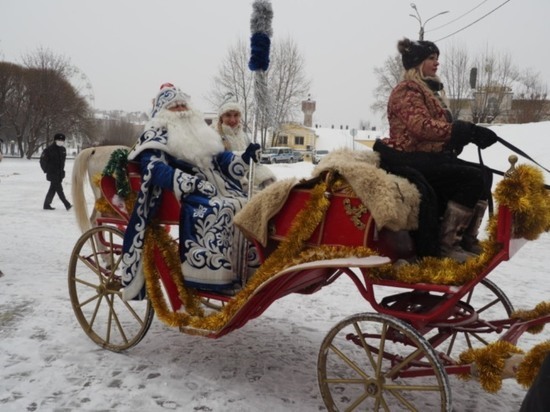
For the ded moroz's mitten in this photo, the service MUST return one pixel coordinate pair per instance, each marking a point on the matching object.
(252, 152)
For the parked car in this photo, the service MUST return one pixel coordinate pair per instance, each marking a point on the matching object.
(298, 156)
(318, 155)
(278, 155)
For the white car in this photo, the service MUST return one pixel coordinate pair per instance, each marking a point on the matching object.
(318, 155)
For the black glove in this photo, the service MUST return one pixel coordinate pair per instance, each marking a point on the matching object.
(252, 152)
(462, 133)
(484, 137)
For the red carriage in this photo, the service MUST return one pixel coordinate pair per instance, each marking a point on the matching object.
(404, 349)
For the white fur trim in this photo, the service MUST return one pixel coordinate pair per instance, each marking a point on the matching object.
(235, 137)
(135, 286)
(263, 176)
(228, 106)
(188, 137)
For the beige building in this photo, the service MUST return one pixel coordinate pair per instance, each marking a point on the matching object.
(306, 137)
(296, 136)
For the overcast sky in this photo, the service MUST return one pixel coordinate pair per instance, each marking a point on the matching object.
(128, 48)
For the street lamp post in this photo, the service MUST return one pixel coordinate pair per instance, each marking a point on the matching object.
(419, 19)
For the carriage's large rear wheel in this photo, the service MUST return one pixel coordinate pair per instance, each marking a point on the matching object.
(377, 362)
(96, 292)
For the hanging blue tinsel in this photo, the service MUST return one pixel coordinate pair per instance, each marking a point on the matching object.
(259, 52)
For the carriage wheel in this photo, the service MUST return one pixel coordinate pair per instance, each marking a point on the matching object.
(490, 303)
(377, 362)
(96, 292)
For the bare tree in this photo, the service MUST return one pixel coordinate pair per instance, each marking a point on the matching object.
(365, 125)
(455, 75)
(287, 84)
(480, 89)
(235, 81)
(55, 102)
(493, 93)
(12, 102)
(41, 101)
(530, 104)
(117, 132)
(388, 75)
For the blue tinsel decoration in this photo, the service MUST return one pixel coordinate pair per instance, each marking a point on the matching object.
(259, 52)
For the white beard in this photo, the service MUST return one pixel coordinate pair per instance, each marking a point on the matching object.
(237, 139)
(190, 138)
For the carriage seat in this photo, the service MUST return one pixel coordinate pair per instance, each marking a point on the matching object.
(169, 209)
(269, 216)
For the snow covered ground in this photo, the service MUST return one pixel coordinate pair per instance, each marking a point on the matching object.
(47, 362)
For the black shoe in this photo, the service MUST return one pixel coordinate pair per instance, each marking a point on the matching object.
(48, 207)
(68, 207)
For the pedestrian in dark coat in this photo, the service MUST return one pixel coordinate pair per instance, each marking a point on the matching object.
(52, 162)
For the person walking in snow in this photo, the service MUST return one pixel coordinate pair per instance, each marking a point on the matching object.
(230, 128)
(52, 162)
(179, 152)
(425, 141)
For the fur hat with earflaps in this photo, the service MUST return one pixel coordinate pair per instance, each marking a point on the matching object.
(415, 52)
(59, 136)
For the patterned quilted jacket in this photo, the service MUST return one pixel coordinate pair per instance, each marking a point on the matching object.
(418, 122)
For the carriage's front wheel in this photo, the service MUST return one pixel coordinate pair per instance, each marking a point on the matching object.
(374, 362)
(95, 290)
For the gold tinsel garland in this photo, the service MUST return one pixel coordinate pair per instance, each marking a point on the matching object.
(290, 252)
(489, 361)
(529, 367)
(542, 309)
(523, 193)
(103, 206)
(444, 271)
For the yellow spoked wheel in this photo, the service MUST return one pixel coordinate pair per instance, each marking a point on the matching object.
(95, 290)
(376, 362)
